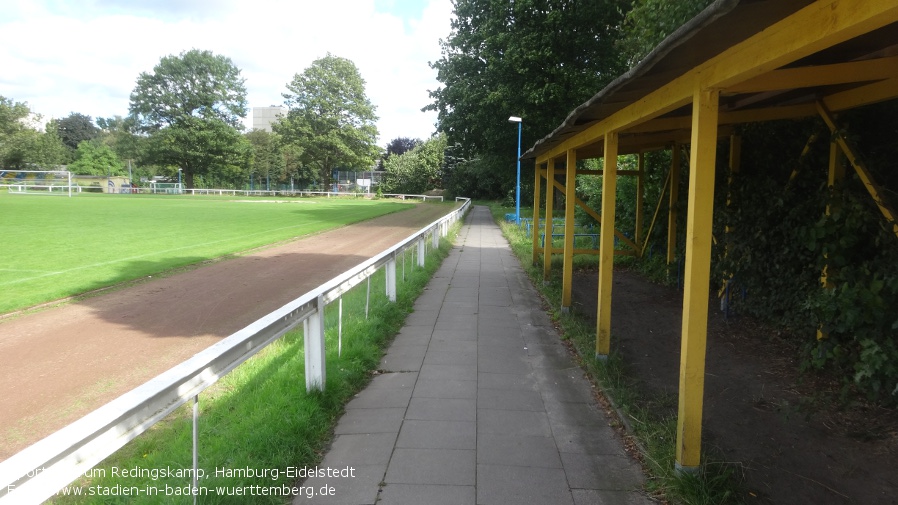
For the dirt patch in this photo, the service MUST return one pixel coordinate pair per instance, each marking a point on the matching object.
(759, 412)
(58, 364)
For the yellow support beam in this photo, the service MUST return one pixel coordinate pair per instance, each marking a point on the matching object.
(872, 186)
(570, 203)
(834, 178)
(640, 201)
(539, 173)
(672, 205)
(550, 204)
(818, 26)
(820, 75)
(734, 166)
(606, 248)
(697, 277)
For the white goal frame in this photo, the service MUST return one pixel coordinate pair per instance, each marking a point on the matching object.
(167, 188)
(39, 183)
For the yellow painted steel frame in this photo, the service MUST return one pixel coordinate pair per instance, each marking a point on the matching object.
(866, 177)
(672, 205)
(550, 203)
(598, 217)
(606, 247)
(640, 202)
(697, 276)
(570, 199)
(655, 215)
(539, 174)
(833, 179)
(818, 26)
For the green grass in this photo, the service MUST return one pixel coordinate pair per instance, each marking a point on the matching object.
(260, 416)
(57, 247)
(651, 421)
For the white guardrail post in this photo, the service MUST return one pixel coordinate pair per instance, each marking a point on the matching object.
(313, 342)
(391, 278)
(421, 252)
(39, 471)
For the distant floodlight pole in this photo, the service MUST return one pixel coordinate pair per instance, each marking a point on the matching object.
(517, 194)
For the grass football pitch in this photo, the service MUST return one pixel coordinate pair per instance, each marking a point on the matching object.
(56, 247)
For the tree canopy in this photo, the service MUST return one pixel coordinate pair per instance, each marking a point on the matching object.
(536, 59)
(21, 144)
(330, 117)
(76, 128)
(417, 170)
(96, 158)
(191, 106)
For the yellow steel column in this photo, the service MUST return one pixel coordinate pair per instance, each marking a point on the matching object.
(735, 163)
(534, 224)
(672, 204)
(697, 277)
(550, 204)
(570, 202)
(606, 248)
(640, 197)
(836, 174)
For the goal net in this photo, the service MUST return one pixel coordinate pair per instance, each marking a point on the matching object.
(42, 182)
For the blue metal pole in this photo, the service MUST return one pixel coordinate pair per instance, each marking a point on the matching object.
(517, 198)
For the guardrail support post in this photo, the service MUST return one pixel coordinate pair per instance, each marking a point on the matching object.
(435, 239)
(314, 349)
(421, 252)
(196, 437)
(390, 270)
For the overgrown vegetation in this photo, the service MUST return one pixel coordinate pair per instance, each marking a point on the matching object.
(259, 416)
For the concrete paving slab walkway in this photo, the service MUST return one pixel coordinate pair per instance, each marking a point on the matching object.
(479, 402)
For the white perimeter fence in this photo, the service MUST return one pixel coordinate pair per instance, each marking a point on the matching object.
(39, 471)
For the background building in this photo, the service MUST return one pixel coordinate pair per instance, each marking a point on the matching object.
(264, 116)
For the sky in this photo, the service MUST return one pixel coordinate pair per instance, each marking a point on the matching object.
(84, 56)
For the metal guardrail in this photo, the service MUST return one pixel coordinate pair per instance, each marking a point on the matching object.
(39, 471)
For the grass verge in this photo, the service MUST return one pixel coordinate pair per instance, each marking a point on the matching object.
(259, 416)
(650, 422)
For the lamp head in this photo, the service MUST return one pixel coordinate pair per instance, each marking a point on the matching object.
(514, 119)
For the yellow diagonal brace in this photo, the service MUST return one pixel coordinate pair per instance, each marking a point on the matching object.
(654, 217)
(598, 217)
(873, 188)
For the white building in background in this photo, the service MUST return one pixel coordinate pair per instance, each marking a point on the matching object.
(264, 116)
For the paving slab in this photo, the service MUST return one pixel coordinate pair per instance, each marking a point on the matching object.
(478, 402)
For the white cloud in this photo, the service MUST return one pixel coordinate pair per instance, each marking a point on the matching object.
(61, 60)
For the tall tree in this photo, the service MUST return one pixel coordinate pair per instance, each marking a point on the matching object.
(416, 170)
(96, 158)
(330, 117)
(536, 59)
(191, 106)
(120, 134)
(21, 144)
(401, 145)
(76, 128)
(649, 22)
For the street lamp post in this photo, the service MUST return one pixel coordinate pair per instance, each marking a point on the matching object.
(517, 194)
